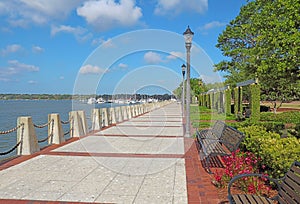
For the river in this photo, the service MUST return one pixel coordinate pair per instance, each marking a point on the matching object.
(10, 110)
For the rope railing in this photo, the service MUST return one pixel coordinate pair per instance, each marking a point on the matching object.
(69, 121)
(51, 134)
(42, 126)
(11, 130)
(66, 122)
(68, 132)
(18, 143)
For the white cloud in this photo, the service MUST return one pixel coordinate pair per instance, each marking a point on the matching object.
(106, 14)
(15, 65)
(175, 55)
(32, 82)
(21, 13)
(11, 49)
(152, 58)
(15, 68)
(67, 29)
(61, 77)
(105, 43)
(123, 66)
(37, 49)
(97, 41)
(80, 33)
(213, 24)
(90, 69)
(175, 7)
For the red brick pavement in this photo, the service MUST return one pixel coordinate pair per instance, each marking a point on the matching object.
(199, 186)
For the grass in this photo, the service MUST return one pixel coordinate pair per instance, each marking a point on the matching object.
(203, 117)
(294, 104)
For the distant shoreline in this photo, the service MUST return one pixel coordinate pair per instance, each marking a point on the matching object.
(79, 97)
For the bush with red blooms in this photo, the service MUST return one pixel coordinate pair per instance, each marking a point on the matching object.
(242, 163)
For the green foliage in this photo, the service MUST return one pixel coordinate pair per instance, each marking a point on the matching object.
(275, 152)
(228, 101)
(263, 41)
(296, 131)
(285, 117)
(197, 87)
(255, 102)
(236, 101)
(268, 125)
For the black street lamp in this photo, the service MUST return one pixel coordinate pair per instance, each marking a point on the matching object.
(183, 87)
(188, 36)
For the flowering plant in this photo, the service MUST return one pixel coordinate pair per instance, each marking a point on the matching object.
(242, 163)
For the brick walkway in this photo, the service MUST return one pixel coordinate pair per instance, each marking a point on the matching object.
(144, 160)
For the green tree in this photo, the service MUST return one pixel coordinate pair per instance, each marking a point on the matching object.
(197, 87)
(264, 41)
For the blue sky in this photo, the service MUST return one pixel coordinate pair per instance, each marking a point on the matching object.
(107, 46)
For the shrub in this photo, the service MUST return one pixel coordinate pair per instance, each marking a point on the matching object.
(285, 117)
(277, 153)
(269, 126)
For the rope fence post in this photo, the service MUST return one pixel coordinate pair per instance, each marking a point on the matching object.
(124, 112)
(76, 125)
(55, 130)
(105, 117)
(27, 137)
(96, 119)
(83, 120)
(129, 115)
(112, 115)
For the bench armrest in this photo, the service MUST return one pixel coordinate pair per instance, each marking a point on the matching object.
(248, 175)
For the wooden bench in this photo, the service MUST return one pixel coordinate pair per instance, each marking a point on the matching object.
(288, 188)
(227, 141)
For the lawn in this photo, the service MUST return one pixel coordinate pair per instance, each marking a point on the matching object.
(202, 117)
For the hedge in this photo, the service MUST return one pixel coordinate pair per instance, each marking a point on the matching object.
(276, 153)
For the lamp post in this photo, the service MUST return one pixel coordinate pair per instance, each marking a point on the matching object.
(183, 86)
(188, 37)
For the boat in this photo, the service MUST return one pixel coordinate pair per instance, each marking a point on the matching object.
(91, 101)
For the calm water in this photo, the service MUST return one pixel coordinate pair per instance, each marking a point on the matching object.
(10, 110)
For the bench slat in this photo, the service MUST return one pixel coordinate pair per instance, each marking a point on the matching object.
(253, 199)
(286, 197)
(221, 140)
(296, 169)
(292, 180)
(290, 188)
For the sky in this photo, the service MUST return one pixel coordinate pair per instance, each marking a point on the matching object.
(108, 46)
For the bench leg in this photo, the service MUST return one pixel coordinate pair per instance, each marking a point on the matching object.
(206, 161)
(207, 165)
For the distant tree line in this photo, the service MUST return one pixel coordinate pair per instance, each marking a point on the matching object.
(82, 97)
(35, 96)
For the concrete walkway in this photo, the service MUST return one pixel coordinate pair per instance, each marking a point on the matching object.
(143, 160)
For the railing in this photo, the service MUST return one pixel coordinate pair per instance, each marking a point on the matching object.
(43, 126)
(11, 131)
(27, 142)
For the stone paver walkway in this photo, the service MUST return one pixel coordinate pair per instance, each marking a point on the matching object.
(143, 160)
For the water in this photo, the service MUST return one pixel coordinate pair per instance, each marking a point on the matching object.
(10, 110)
